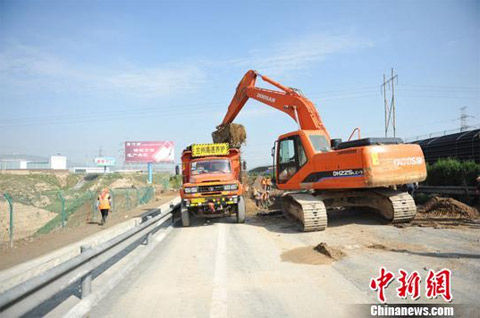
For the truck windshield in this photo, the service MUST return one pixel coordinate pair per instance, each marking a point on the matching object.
(211, 166)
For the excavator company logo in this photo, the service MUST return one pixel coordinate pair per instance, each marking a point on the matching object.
(410, 161)
(266, 97)
(347, 173)
(318, 176)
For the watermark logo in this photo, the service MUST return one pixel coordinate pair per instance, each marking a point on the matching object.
(438, 284)
(409, 284)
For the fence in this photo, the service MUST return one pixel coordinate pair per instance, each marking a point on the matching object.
(23, 216)
(26, 297)
(462, 146)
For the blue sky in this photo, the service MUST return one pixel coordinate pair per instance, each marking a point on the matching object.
(79, 75)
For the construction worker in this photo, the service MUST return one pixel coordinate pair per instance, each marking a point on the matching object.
(268, 184)
(256, 196)
(104, 204)
(263, 182)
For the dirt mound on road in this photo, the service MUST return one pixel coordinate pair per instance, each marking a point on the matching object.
(234, 134)
(328, 251)
(449, 207)
(313, 255)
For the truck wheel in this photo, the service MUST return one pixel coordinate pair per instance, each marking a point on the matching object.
(185, 217)
(241, 210)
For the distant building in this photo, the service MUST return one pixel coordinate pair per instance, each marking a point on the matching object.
(90, 170)
(27, 162)
(58, 162)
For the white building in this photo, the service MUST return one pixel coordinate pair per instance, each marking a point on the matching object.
(58, 162)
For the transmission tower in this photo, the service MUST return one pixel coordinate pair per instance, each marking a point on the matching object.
(463, 118)
(389, 107)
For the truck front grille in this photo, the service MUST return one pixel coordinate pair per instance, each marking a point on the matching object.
(212, 188)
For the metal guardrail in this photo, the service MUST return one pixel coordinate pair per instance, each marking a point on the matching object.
(447, 190)
(23, 298)
(154, 212)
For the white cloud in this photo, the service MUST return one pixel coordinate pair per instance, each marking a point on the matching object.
(29, 66)
(299, 53)
(33, 68)
(159, 81)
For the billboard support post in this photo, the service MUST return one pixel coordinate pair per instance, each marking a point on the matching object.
(150, 172)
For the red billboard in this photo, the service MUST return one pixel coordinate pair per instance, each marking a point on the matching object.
(149, 151)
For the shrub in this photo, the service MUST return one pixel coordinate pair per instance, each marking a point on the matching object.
(452, 172)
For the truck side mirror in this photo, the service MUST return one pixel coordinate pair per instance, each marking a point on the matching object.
(244, 165)
(177, 170)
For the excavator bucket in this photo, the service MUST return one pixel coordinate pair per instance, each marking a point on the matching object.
(234, 134)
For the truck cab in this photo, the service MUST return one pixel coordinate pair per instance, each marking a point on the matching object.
(211, 183)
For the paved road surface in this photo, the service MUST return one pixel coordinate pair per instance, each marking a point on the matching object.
(264, 268)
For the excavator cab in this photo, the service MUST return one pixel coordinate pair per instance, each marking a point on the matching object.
(291, 157)
(294, 150)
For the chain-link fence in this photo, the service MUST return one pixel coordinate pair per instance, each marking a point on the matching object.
(22, 216)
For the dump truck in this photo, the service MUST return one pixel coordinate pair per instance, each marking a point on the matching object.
(211, 182)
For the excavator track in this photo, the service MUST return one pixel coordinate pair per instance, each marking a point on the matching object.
(307, 209)
(399, 207)
(310, 210)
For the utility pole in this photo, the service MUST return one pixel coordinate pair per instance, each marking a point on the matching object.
(389, 107)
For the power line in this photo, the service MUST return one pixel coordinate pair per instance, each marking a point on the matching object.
(193, 109)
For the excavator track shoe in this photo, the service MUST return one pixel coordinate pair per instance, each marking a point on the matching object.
(307, 209)
(401, 206)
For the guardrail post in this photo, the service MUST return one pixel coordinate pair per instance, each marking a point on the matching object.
(87, 279)
(91, 197)
(10, 205)
(112, 195)
(148, 239)
(127, 196)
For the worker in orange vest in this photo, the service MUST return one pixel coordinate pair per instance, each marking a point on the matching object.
(104, 204)
(263, 182)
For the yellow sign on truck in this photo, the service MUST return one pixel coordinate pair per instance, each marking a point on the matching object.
(202, 150)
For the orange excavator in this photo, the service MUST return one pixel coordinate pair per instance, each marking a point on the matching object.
(321, 173)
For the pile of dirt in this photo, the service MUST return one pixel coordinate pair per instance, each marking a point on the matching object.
(449, 207)
(234, 134)
(251, 207)
(328, 251)
(313, 255)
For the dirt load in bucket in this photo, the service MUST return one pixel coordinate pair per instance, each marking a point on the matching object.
(234, 134)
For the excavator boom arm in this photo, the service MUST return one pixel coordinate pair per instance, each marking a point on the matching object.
(287, 100)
